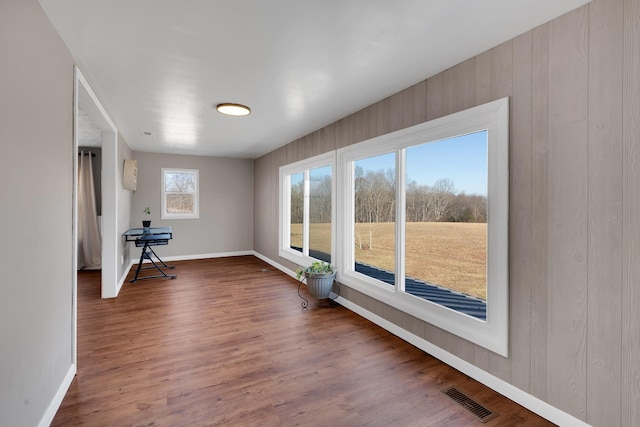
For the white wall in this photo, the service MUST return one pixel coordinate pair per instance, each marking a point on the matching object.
(124, 210)
(226, 205)
(36, 181)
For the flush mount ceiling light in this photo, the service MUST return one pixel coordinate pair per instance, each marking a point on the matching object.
(233, 109)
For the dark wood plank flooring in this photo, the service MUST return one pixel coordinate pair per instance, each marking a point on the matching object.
(227, 343)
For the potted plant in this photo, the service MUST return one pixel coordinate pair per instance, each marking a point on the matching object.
(146, 223)
(319, 276)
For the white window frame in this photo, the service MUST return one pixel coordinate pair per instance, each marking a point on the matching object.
(196, 200)
(493, 117)
(284, 228)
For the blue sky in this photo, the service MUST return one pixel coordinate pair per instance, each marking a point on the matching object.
(462, 159)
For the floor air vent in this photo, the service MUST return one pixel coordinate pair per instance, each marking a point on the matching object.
(477, 410)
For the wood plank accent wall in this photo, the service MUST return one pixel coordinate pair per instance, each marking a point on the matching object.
(630, 349)
(574, 87)
(568, 212)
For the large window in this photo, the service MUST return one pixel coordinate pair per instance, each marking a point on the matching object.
(420, 222)
(307, 208)
(446, 220)
(423, 222)
(179, 193)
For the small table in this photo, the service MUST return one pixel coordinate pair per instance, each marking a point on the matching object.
(145, 238)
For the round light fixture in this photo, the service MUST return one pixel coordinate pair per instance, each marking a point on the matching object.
(233, 109)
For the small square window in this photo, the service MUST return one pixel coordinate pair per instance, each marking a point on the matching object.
(179, 193)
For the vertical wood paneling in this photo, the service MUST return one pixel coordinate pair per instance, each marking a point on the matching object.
(351, 129)
(261, 222)
(501, 86)
(568, 207)
(368, 117)
(483, 78)
(383, 124)
(308, 148)
(568, 57)
(464, 85)
(320, 145)
(415, 104)
(567, 314)
(325, 139)
(575, 203)
(631, 217)
(604, 327)
(292, 152)
(502, 71)
(413, 325)
(358, 126)
(408, 107)
(447, 92)
(483, 95)
(540, 210)
(340, 133)
(520, 213)
(328, 133)
(265, 214)
(605, 213)
(605, 100)
(396, 111)
(434, 97)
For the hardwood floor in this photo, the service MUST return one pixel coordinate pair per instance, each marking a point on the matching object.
(227, 343)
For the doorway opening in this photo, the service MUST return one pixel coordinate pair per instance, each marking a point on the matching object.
(95, 132)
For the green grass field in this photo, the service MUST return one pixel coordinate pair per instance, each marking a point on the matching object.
(453, 255)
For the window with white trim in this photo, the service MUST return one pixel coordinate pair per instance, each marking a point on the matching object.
(307, 210)
(397, 203)
(407, 198)
(180, 193)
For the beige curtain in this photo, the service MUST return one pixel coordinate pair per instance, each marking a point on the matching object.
(89, 242)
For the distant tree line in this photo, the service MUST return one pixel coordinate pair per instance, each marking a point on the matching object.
(440, 203)
(180, 188)
(375, 200)
(319, 201)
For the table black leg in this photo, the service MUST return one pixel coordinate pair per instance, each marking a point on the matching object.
(158, 258)
(135, 278)
(148, 253)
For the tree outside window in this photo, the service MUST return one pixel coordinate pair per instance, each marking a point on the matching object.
(179, 193)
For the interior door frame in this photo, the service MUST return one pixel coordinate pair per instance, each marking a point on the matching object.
(83, 93)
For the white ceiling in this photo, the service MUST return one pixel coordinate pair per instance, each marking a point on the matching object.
(161, 66)
(89, 133)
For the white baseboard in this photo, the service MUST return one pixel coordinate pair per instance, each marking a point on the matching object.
(519, 396)
(204, 256)
(124, 276)
(51, 411)
(134, 261)
(275, 264)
